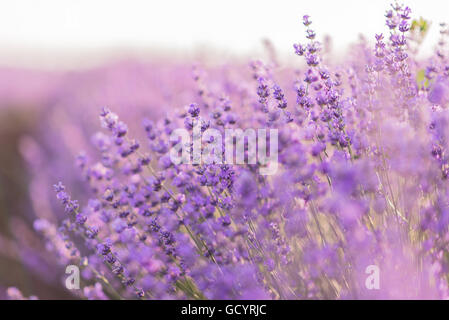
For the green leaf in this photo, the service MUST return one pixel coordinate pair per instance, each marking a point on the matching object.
(421, 79)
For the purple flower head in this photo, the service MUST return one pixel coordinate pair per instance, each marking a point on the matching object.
(306, 20)
(404, 26)
(439, 93)
(299, 49)
(194, 110)
(245, 188)
(59, 187)
(310, 34)
(406, 13)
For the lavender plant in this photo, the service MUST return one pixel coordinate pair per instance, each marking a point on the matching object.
(362, 180)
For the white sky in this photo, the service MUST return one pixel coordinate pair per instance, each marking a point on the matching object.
(28, 27)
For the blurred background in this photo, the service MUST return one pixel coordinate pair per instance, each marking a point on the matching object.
(62, 60)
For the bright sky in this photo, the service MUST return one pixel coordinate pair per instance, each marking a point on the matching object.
(30, 26)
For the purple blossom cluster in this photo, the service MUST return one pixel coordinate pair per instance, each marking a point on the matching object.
(362, 180)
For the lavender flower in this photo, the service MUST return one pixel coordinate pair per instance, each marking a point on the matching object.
(362, 180)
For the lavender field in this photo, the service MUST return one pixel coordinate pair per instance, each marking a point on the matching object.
(350, 201)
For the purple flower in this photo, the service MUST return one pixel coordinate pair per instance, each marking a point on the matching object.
(439, 93)
(361, 178)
